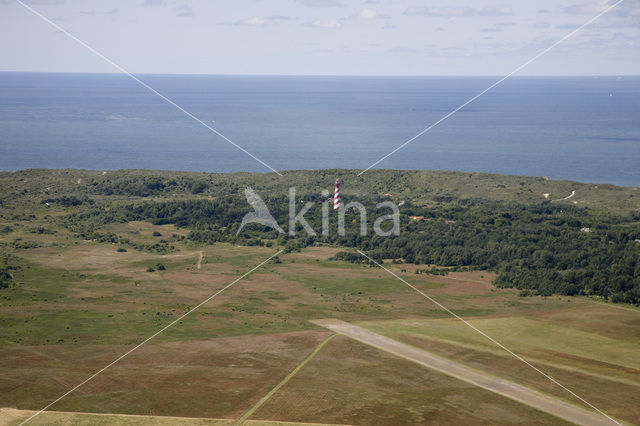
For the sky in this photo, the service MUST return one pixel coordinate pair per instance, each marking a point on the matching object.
(322, 37)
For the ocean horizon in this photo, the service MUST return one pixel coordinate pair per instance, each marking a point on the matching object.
(578, 128)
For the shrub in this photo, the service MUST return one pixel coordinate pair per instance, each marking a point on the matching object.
(5, 277)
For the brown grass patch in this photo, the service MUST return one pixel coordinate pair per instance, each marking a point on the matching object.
(219, 378)
(313, 253)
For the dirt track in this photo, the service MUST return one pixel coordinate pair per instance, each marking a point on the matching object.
(199, 263)
(561, 409)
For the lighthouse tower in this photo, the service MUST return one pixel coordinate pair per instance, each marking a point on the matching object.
(336, 196)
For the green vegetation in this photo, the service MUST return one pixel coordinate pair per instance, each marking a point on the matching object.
(5, 278)
(9, 264)
(76, 294)
(585, 245)
(543, 248)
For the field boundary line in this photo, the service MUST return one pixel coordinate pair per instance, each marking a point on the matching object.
(142, 83)
(284, 381)
(151, 337)
(491, 339)
(542, 53)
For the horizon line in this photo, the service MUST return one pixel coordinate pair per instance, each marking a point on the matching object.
(312, 75)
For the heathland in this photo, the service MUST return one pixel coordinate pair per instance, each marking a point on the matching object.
(95, 262)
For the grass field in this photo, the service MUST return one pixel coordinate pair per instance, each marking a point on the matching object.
(79, 304)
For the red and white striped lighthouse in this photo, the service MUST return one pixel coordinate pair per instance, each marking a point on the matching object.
(336, 196)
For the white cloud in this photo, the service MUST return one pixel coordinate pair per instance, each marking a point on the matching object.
(263, 21)
(256, 21)
(152, 3)
(257, 29)
(458, 11)
(321, 3)
(327, 23)
(367, 15)
(427, 11)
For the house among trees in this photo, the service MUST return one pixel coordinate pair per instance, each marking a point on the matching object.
(420, 218)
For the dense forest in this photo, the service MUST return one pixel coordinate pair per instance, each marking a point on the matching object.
(541, 247)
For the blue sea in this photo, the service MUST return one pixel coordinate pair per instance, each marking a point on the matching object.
(580, 128)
